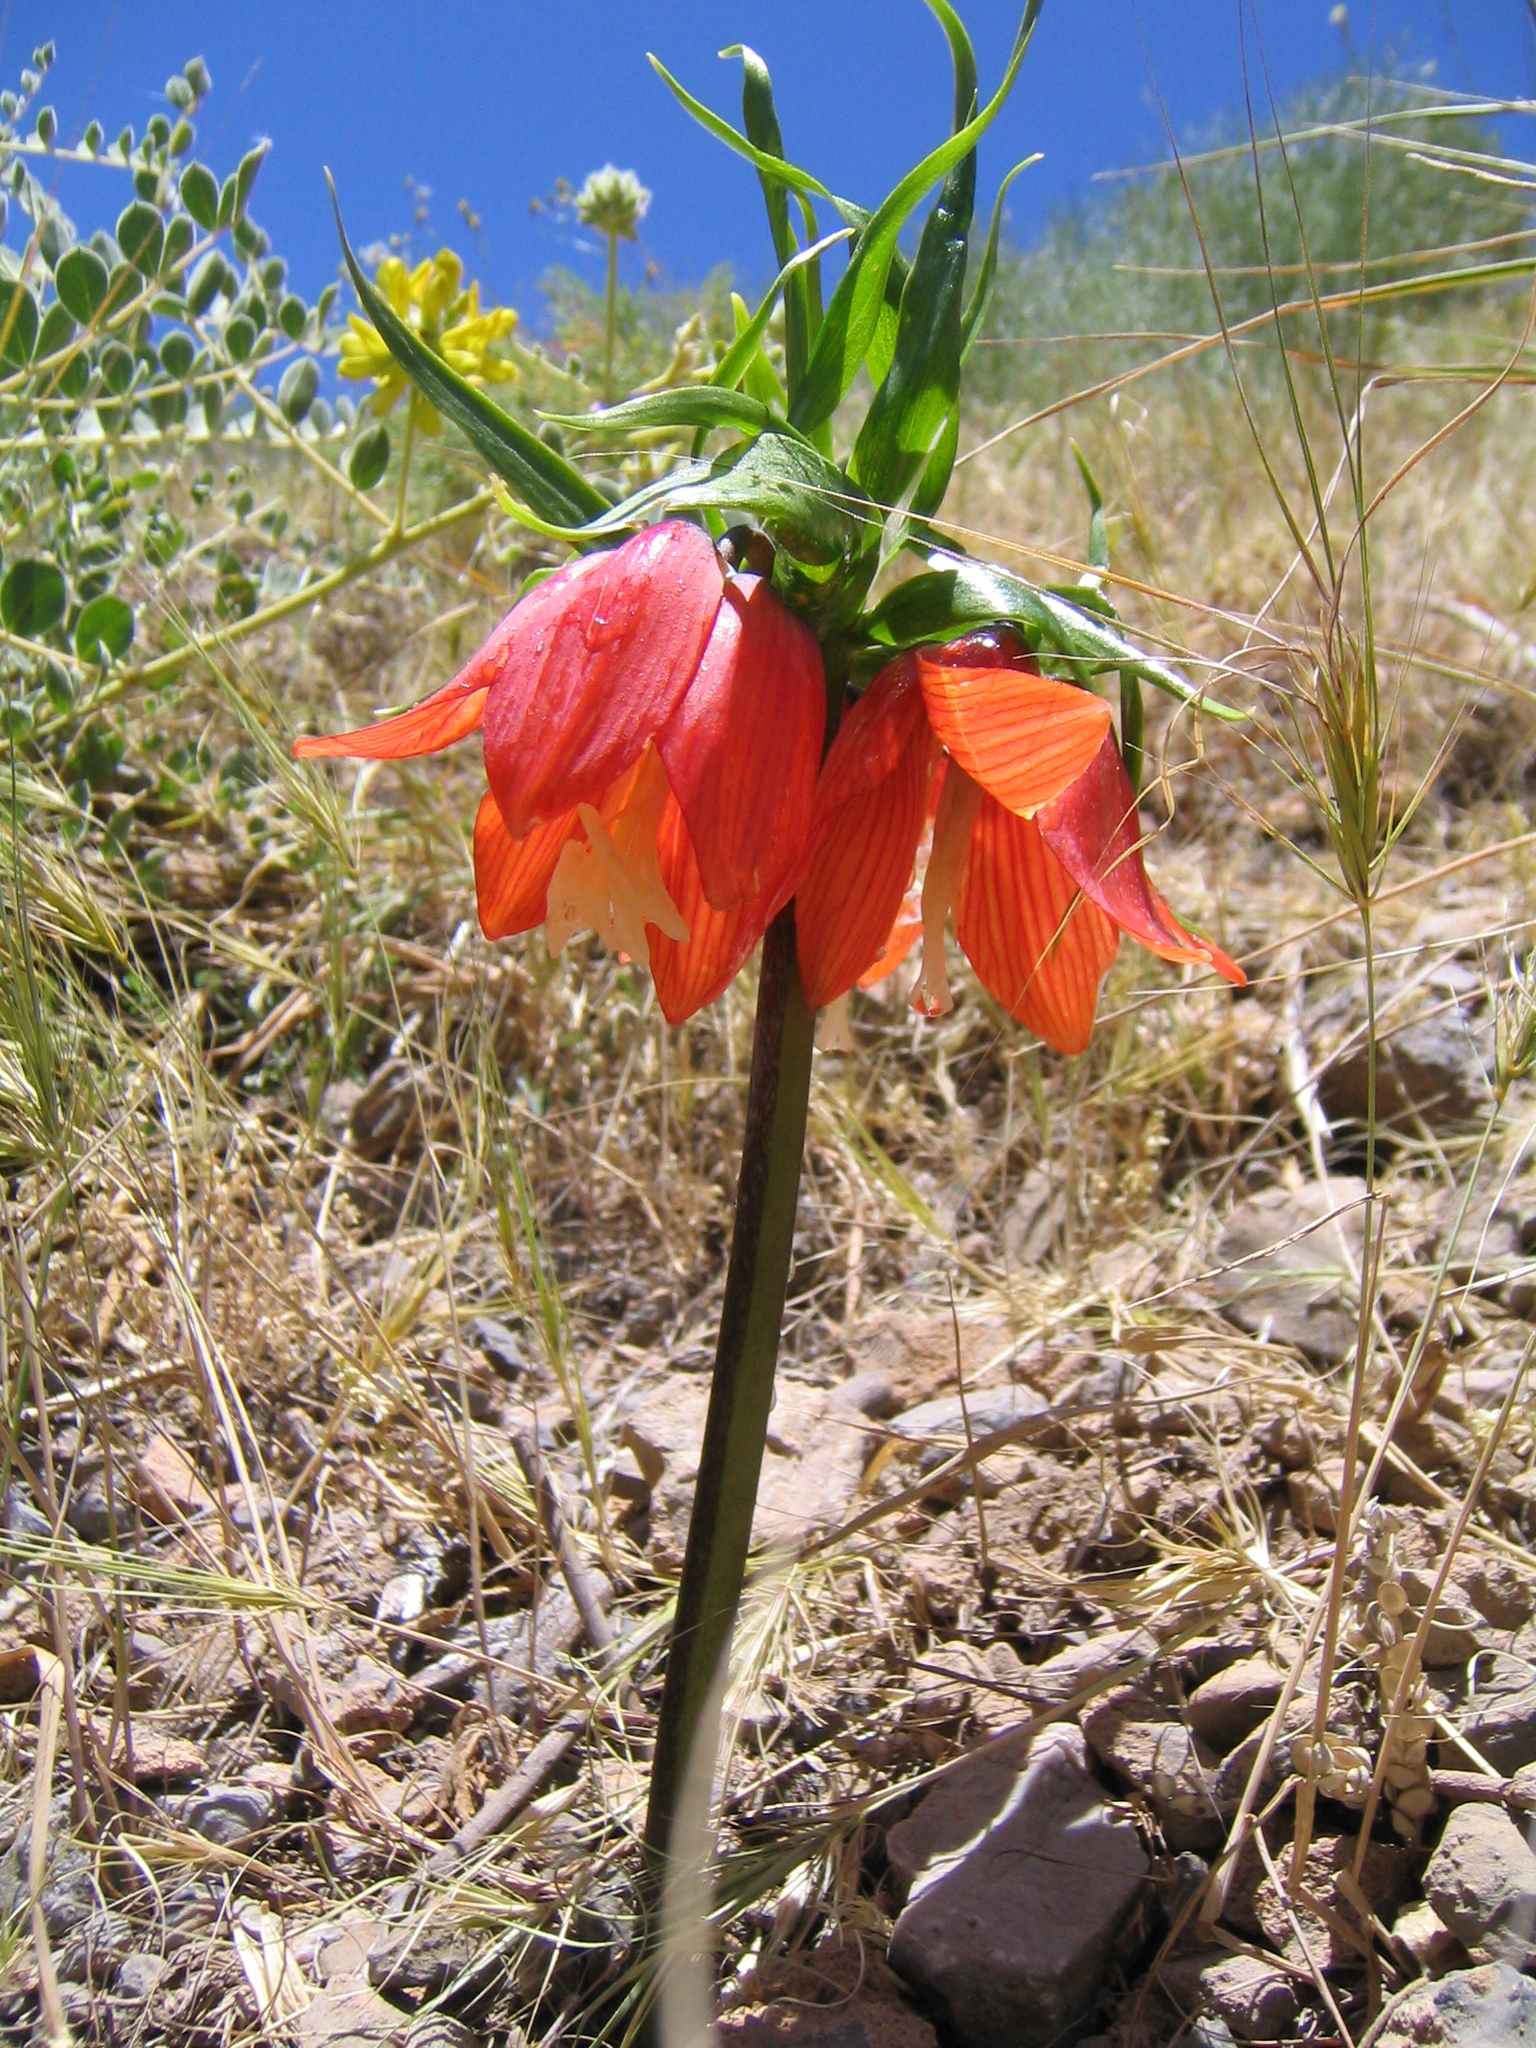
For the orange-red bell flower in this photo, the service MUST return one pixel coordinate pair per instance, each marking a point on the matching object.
(653, 727)
(1016, 784)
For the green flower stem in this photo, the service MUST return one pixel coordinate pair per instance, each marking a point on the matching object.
(741, 1393)
(613, 300)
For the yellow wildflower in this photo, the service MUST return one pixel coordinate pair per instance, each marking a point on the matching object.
(434, 301)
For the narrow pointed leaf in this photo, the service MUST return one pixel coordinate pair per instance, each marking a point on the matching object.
(986, 277)
(546, 482)
(690, 405)
(732, 365)
(854, 313)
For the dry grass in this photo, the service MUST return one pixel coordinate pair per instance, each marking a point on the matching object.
(281, 1126)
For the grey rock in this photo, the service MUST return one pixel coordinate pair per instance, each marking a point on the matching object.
(460, 1673)
(1499, 1717)
(1490, 2007)
(1020, 1880)
(987, 1409)
(139, 1975)
(1481, 1880)
(93, 1948)
(228, 1815)
(69, 1886)
(1229, 1706)
(500, 1345)
(1294, 1288)
(1083, 1670)
(402, 1600)
(21, 1516)
(90, 1518)
(1255, 2001)
(1147, 1744)
(1428, 1071)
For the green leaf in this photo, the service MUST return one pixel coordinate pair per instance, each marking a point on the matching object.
(854, 313)
(141, 236)
(1098, 530)
(958, 595)
(1132, 726)
(291, 315)
(543, 479)
(693, 405)
(81, 283)
(18, 323)
(104, 630)
(239, 336)
(761, 121)
(802, 501)
(176, 353)
(95, 755)
(33, 597)
(981, 296)
(368, 457)
(245, 179)
(298, 389)
(203, 285)
(56, 332)
(180, 234)
(760, 380)
(732, 366)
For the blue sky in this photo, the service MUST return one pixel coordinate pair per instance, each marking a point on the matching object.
(491, 102)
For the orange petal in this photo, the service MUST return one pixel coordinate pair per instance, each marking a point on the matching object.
(691, 972)
(1022, 736)
(512, 875)
(449, 714)
(1038, 945)
(851, 894)
(1093, 830)
(743, 748)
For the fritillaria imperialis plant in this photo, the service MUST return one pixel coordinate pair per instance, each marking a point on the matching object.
(700, 736)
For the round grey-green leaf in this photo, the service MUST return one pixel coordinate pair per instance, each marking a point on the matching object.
(176, 352)
(369, 457)
(239, 336)
(203, 286)
(141, 236)
(291, 315)
(81, 283)
(179, 237)
(104, 630)
(33, 597)
(18, 323)
(200, 195)
(297, 390)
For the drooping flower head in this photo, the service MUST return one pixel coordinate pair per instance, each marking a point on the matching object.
(652, 727)
(1013, 785)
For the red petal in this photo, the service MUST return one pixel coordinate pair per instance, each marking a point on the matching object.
(874, 735)
(512, 875)
(596, 662)
(451, 713)
(1093, 830)
(1038, 945)
(694, 971)
(743, 747)
(1020, 735)
(870, 808)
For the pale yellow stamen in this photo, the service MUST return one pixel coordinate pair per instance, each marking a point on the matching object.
(834, 1033)
(611, 884)
(959, 802)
